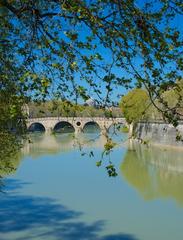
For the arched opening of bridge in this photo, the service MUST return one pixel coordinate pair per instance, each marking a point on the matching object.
(64, 127)
(91, 127)
(36, 127)
(116, 128)
(118, 132)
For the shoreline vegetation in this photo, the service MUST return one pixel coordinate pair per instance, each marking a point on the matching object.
(68, 109)
(137, 105)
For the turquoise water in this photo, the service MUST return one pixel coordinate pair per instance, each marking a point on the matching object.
(58, 192)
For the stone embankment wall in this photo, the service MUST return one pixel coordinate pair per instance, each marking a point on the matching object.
(159, 133)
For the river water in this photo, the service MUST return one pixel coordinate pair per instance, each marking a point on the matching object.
(55, 191)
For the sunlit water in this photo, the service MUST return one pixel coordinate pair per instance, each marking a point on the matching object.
(58, 192)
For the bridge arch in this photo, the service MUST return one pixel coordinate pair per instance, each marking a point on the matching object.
(115, 127)
(91, 126)
(64, 127)
(36, 127)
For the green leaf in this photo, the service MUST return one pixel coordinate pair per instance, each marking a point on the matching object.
(99, 163)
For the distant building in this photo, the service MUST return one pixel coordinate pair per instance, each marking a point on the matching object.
(91, 102)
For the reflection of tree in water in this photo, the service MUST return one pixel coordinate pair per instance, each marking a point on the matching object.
(31, 217)
(154, 172)
(9, 165)
(9, 154)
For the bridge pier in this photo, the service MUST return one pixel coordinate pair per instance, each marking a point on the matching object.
(103, 131)
(78, 130)
(48, 130)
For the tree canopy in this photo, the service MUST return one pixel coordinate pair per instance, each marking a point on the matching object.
(134, 105)
(59, 47)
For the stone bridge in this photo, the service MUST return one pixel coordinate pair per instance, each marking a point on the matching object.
(77, 123)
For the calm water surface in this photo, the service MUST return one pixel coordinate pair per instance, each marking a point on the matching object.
(58, 192)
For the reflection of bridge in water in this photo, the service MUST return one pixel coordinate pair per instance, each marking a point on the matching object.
(77, 124)
(41, 144)
(48, 143)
